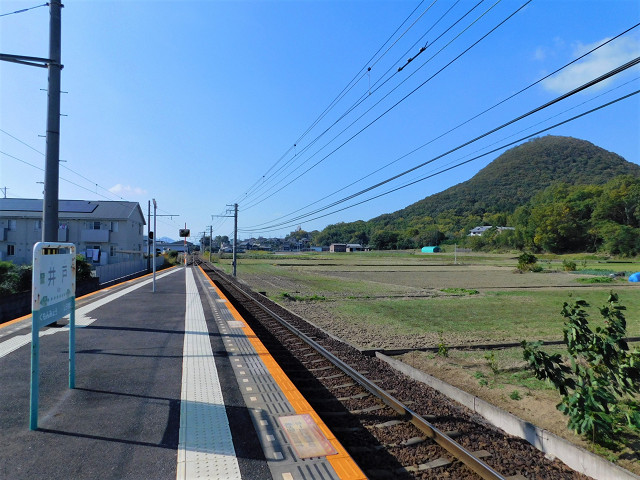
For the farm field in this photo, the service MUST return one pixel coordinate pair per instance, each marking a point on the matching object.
(409, 300)
(400, 300)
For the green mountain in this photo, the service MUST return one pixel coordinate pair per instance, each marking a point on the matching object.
(517, 175)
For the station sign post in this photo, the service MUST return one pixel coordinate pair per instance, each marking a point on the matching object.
(53, 297)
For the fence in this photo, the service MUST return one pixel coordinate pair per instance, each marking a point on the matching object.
(108, 273)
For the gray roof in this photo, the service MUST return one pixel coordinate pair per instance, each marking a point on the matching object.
(76, 209)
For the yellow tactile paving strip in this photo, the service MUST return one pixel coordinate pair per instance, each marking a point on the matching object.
(342, 463)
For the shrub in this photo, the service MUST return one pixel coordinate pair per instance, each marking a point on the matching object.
(599, 386)
(569, 266)
(443, 349)
(83, 269)
(595, 280)
(14, 278)
(527, 262)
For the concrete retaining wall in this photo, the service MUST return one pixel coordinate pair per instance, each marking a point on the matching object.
(575, 457)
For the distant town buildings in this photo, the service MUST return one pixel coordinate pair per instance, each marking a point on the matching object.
(478, 231)
(105, 232)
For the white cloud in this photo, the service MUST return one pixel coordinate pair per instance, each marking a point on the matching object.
(540, 54)
(120, 189)
(599, 62)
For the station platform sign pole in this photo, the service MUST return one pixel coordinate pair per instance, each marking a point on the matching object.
(53, 297)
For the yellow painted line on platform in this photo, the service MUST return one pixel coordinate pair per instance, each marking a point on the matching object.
(19, 319)
(342, 463)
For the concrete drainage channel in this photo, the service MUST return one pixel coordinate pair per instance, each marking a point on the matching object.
(575, 457)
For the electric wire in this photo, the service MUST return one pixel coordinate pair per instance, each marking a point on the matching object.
(65, 167)
(362, 99)
(586, 85)
(339, 97)
(463, 123)
(393, 106)
(24, 10)
(120, 198)
(502, 147)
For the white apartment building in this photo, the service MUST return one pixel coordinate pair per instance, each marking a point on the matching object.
(105, 232)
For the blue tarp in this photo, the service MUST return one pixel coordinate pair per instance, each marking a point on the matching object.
(634, 277)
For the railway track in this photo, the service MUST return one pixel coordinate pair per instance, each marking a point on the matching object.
(392, 426)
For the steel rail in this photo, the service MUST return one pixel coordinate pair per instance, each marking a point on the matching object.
(446, 442)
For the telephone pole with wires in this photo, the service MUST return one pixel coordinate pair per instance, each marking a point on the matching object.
(235, 232)
(52, 157)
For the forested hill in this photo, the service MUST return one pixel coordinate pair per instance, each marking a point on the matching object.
(517, 175)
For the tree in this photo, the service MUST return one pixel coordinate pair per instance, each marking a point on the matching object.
(385, 240)
(601, 382)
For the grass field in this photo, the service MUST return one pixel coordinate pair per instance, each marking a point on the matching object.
(415, 295)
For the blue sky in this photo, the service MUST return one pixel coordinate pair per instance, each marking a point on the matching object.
(198, 104)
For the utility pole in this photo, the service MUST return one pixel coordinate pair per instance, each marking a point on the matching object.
(235, 232)
(52, 156)
(235, 237)
(52, 163)
(148, 236)
(155, 207)
(210, 241)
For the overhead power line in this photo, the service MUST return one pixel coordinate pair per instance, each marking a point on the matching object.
(354, 81)
(502, 147)
(256, 202)
(24, 10)
(586, 85)
(461, 124)
(263, 182)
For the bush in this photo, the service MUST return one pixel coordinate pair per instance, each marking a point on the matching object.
(569, 266)
(14, 278)
(599, 386)
(83, 269)
(527, 262)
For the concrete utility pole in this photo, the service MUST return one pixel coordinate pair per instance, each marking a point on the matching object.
(155, 207)
(235, 237)
(52, 163)
(210, 241)
(148, 236)
(235, 232)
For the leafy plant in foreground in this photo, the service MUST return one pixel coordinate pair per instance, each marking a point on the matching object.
(443, 349)
(600, 386)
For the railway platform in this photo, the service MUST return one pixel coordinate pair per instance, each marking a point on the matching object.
(170, 384)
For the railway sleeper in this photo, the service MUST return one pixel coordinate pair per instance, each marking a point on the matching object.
(338, 387)
(368, 409)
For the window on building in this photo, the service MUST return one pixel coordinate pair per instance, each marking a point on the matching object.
(11, 250)
(12, 224)
(114, 226)
(96, 225)
(37, 225)
(112, 250)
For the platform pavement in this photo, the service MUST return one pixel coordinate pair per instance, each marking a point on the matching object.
(126, 416)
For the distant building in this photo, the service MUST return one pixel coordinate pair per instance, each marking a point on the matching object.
(177, 246)
(105, 232)
(338, 247)
(355, 247)
(478, 231)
